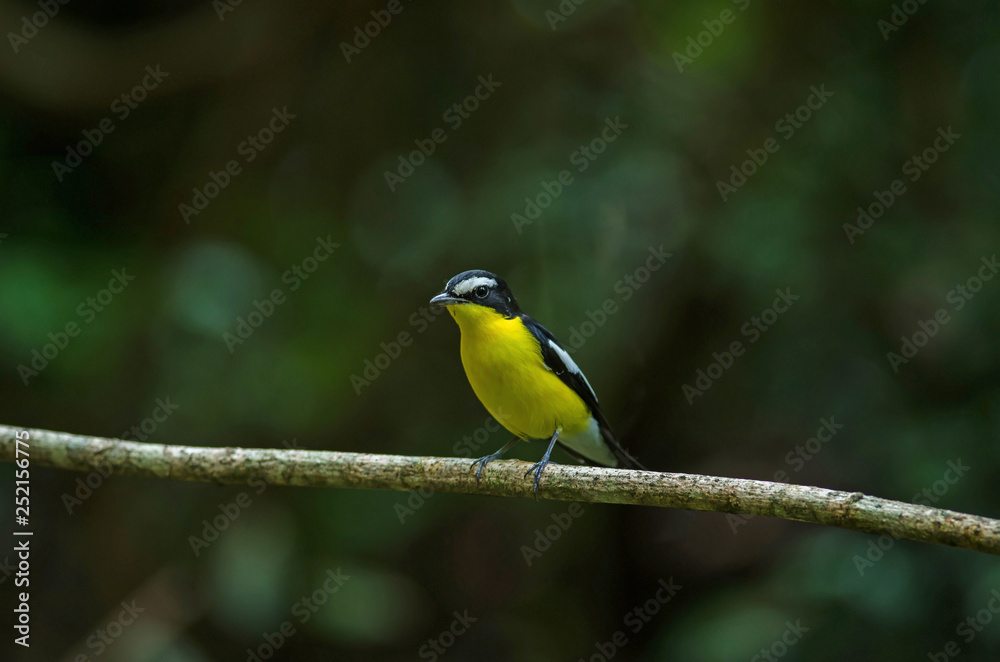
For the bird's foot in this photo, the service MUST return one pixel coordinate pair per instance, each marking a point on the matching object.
(537, 468)
(483, 461)
(486, 459)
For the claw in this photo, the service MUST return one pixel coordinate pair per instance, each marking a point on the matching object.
(486, 459)
(482, 462)
(539, 467)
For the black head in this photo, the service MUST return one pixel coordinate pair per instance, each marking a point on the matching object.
(480, 288)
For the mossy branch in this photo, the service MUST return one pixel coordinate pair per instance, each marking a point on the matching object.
(846, 510)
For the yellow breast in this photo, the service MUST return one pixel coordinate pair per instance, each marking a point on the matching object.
(504, 365)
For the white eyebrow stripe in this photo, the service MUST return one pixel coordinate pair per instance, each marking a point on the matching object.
(571, 365)
(470, 284)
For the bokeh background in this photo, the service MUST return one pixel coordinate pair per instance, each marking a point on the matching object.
(414, 562)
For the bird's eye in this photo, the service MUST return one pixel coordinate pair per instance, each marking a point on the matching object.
(482, 291)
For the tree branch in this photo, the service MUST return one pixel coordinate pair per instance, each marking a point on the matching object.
(846, 510)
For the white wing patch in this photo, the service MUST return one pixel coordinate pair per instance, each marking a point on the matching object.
(571, 365)
(470, 284)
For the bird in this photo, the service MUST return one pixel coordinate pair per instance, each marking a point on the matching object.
(522, 375)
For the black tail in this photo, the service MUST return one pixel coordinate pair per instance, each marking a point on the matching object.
(624, 459)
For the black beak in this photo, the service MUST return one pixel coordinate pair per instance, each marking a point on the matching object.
(446, 299)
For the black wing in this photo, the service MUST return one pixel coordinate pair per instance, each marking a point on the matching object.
(558, 360)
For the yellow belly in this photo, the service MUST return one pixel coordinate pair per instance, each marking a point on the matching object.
(505, 367)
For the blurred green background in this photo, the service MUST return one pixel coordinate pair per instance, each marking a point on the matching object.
(413, 561)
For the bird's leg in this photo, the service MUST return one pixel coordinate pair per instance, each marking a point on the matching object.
(486, 459)
(539, 467)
